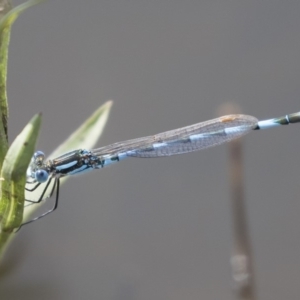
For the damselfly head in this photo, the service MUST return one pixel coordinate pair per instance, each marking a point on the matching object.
(35, 169)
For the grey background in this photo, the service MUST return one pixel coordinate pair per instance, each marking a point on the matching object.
(161, 228)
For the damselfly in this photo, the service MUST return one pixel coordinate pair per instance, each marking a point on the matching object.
(183, 140)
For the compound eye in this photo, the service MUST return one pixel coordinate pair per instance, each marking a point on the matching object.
(38, 157)
(41, 176)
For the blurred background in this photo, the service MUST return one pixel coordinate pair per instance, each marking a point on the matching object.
(158, 228)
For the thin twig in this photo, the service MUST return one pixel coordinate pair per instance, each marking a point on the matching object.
(241, 259)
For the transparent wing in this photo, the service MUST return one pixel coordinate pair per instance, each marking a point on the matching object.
(186, 139)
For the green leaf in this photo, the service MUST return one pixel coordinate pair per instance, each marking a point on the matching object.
(13, 175)
(13, 169)
(86, 136)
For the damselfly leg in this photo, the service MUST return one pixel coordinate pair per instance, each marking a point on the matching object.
(40, 185)
(43, 195)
